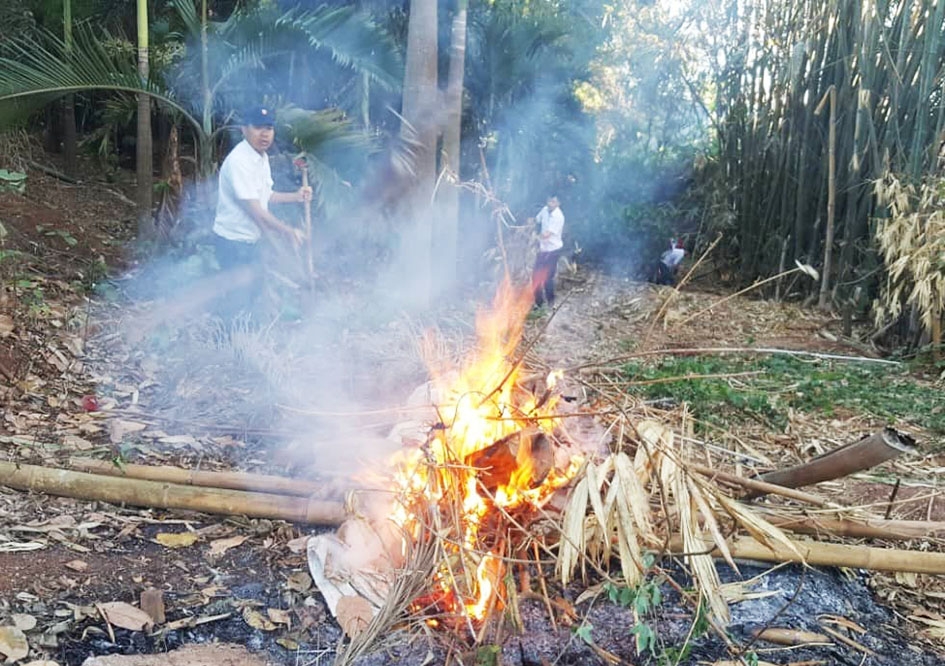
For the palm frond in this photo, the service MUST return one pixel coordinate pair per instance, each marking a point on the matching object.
(187, 12)
(35, 69)
(353, 39)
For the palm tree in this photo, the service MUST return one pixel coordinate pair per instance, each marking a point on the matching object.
(38, 68)
(419, 127)
(448, 195)
(144, 159)
(69, 139)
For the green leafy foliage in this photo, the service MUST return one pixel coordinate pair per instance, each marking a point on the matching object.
(780, 383)
(12, 181)
(488, 655)
(583, 631)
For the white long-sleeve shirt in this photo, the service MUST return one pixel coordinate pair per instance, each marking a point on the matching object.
(550, 222)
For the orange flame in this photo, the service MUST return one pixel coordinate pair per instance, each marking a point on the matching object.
(480, 405)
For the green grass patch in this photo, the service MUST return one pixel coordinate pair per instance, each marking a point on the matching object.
(767, 387)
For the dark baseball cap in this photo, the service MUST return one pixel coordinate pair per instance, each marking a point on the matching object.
(260, 116)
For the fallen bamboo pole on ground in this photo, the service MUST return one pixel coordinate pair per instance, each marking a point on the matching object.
(266, 483)
(816, 553)
(116, 490)
(871, 528)
(863, 454)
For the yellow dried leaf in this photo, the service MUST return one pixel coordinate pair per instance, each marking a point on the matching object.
(257, 620)
(13, 644)
(354, 614)
(126, 616)
(77, 565)
(176, 539)
(299, 581)
(279, 616)
(220, 546)
(288, 644)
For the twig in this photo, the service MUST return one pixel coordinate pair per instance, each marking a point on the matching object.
(49, 171)
(544, 588)
(848, 641)
(761, 486)
(892, 500)
(750, 287)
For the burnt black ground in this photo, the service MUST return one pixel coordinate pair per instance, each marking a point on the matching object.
(801, 596)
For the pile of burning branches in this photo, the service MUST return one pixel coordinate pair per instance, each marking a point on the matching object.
(512, 472)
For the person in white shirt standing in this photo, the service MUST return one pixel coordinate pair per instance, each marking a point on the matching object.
(669, 263)
(243, 214)
(550, 225)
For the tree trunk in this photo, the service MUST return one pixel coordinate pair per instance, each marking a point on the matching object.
(448, 193)
(144, 152)
(69, 139)
(420, 128)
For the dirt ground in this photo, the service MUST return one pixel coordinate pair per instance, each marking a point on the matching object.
(206, 398)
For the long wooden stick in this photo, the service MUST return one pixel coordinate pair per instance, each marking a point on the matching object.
(834, 555)
(309, 251)
(760, 487)
(232, 480)
(873, 528)
(81, 485)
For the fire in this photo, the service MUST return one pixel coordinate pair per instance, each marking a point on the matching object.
(490, 458)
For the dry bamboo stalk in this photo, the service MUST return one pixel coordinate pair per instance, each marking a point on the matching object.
(865, 453)
(232, 480)
(831, 190)
(833, 555)
(81, 485)
(761, 487)
(873, 528)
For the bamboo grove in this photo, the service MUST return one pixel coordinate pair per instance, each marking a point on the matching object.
(814, 83)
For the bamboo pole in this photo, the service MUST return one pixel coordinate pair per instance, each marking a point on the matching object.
(81, 485)
(871, 528)
(231, 480)
(816, 553)
(831, 190)
(865, 453)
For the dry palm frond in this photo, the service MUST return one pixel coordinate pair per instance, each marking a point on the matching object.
(573, 545)
(676, 479)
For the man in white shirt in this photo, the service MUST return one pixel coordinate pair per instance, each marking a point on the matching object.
(550, 225)
(242, 214)
(669, 263)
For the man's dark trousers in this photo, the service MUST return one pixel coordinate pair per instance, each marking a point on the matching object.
(543, 277)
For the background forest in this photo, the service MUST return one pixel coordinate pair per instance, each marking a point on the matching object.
(806, 131)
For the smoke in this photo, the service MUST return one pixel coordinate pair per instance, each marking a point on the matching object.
(326, 360)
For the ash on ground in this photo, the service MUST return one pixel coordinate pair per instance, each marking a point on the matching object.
(801, 598)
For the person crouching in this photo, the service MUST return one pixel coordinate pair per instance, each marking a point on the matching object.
(668, 267)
